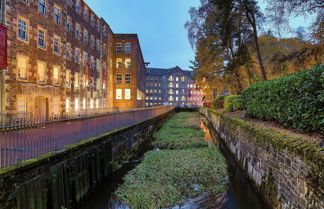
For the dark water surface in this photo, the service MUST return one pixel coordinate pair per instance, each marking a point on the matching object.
(240, 195)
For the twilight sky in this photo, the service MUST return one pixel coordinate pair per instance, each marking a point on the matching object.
(159, 25)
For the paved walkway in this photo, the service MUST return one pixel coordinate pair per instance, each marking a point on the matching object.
(16, 146)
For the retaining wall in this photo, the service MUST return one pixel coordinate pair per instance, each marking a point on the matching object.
(62, 180)
(287, 172)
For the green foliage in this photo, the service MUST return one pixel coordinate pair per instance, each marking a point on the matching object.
(232, 103)
(218, 102)
(166, 178)
(295, 101)
(180, 132)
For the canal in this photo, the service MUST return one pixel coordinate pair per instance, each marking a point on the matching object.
(240, 194)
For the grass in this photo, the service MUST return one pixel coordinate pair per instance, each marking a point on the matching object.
(185, 167)
(180, 132)
(166, 178)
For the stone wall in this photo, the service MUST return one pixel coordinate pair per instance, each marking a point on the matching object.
(287, 172)
(62, 180)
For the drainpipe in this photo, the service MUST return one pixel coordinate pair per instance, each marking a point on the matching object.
(2, 71)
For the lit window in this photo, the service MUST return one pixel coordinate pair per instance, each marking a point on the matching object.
(119, 94)
(119, 78)
(98, 66)
(68, 78)
(76, 104)
(128, 63)
(119, 63)
(84, 104)
(171, 78)
(21, 104)
(170, 98)
(42, 6)
(22, 63)
(127, 78)
(177, 92)
(177, 85)
(91, 104)
(76, 80)
(41, 66)
(177, 78)
(119, 48)
(56, 71)
(177, 98)
(22, 29)
(97, 103)
(67, 105)
(57, 14)
(56, 104)
(128, 48)
(56, 43)
(127, 94)
(41, 38)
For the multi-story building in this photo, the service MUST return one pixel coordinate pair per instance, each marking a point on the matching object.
(128, 73)
(61, 61)
(171, 86)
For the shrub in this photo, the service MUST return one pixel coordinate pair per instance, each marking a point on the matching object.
(232, 103)
(295, 101)
(218, 102)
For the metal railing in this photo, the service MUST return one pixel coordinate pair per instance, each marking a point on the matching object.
(27, 139)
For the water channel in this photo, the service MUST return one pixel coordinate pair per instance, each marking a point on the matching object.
(240, 194)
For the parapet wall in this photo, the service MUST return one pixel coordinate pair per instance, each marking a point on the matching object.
(287, 172)
(62, 180)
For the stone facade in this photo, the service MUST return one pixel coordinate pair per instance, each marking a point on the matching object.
(281, 168)
(61, 56)
(171, 86)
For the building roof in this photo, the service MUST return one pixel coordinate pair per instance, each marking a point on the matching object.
(164, 71)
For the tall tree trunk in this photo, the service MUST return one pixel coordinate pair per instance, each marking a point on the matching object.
(251, 19)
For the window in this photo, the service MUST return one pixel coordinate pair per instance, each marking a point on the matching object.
(119, 78)
(177, 85)
(98, 45)
(84, 103)
(170, 98)
(42, 6)
(41, 38)
(22, 29)
(92, 20)
(97, 103)
(98, 25)
(127, 78)
(76, 104)
(177, 78)
(56, 104)
(182, 78)
(26, 1)
(56, 43)
(86, 14)
(98, 65)
(77, 55)
(56, 71)
(119, 94)
(85, 36)
(78, 7)
(68, 51)
(76, 80)
(22, 63)
(77, 31)
(177, 92)
(57, 14)
(68, 24)
(119, 63)
(92, 42)
(128, 63)
(69, 2)
(91, 104)
(128, 48)
(127, 94)
(21, 104)
(68, 78)
(67, 105)
(171, 78)
(119, 48)
(85, 58)
(41, 66)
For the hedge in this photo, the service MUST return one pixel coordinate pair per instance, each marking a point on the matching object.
(232, 103)
(295, 101)
(218, 102)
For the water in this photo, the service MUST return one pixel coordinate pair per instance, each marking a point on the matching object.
(240, 195)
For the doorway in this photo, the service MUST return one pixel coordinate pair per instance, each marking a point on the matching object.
(41, 109)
